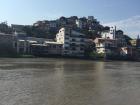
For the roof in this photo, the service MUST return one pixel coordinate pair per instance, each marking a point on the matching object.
(48, 42)
(32, 41)
(105, 39)
(39, 45)
(21, 40)
(6, 34)
(97, 40)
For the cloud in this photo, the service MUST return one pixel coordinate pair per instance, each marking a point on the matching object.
(130, 26)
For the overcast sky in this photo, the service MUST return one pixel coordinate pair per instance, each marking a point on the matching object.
(112, 12)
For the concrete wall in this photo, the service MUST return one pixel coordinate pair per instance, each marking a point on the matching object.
(6, 44)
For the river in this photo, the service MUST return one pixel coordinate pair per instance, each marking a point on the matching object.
(68, 82)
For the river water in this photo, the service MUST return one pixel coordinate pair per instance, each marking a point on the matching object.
(68, 82)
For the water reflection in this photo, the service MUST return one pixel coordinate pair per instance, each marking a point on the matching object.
(68, 82)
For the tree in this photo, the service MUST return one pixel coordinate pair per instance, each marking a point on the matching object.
(106, 28)
(4, 28)
(90, 48)
(127, 38)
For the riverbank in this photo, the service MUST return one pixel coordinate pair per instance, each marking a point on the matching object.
(17, 56)
(72, 57)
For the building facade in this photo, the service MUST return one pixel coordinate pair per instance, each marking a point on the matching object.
(6, 44)
(79, 23)
(47, 49)
(121, 41)
(109, 34)
(73, 42)
(115, 34)
(22, 43)
(138, 42)
(105, 46)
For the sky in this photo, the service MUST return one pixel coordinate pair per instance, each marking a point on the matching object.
(108, 12)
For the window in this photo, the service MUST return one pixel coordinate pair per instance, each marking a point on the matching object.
(82, 45)
(73, 40)
(65, 52)
(73, 44)
(67, 38)
(73, 48)
(15, 45)
(81, 49)
(60, 46)
(54, 46)
(82, 40)
(66, 48)
(66, 43)
(21, 50)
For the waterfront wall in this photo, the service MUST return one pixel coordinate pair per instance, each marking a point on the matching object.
(6, 44)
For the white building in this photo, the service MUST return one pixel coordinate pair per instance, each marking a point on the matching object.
(73, 42)
(115, 34)
(105, 46)
(108, 42)
(109, 34)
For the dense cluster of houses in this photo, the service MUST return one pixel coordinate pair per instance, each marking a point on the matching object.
(89, 23)
(69, 41)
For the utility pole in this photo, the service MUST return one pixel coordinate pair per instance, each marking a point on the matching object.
(105, 56)
(114, 32)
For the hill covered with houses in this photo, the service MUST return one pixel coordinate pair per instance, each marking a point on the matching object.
(68, 36)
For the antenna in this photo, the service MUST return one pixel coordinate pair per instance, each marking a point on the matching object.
(114, 34)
